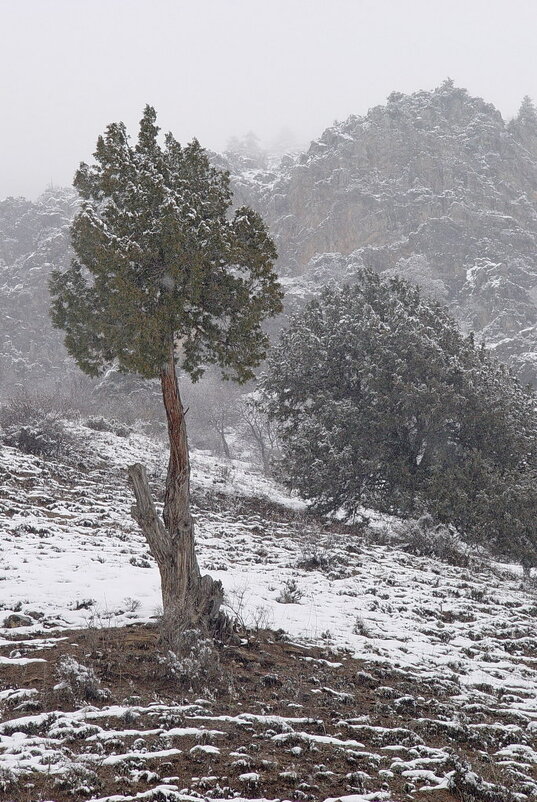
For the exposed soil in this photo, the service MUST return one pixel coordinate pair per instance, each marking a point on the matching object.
(280, 720)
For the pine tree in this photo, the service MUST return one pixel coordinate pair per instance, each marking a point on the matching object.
(164, 274)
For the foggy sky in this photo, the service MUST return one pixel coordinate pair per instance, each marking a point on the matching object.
(217, 68)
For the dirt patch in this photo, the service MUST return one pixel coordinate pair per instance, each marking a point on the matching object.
(282, 720)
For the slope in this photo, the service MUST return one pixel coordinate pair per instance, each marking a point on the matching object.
(395, 672)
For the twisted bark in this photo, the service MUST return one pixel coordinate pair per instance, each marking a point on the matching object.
(192, 599)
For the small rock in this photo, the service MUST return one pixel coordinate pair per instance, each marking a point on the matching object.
(17, 620)
(35, 614)
(271, 680)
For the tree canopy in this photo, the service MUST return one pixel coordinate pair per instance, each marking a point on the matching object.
(381, 401)
(159, 258)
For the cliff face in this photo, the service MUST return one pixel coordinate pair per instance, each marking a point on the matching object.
(34, 238)
(374, 180)
(434, 186)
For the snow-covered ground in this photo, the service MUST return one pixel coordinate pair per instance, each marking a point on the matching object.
(71, 553)
(71, 557)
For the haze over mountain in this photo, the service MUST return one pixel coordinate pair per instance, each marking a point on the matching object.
(433, 186)
(218, 69)
(378, 657)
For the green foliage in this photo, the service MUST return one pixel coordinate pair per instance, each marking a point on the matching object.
(159, 260)
(381, 401)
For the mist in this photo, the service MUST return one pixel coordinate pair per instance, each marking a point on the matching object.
(218, 69)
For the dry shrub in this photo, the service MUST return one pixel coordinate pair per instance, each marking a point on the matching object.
(32, 425)
(426, 540)
(191, 657)
(79, 681)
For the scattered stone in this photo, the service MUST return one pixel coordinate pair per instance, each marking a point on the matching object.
(17, 620)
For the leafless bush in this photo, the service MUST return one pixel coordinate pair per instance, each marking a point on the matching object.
(426, 540)
(100, 424)
(8, 778)
(34, 431)
(361, 628)
(468, 785)
(78, 780)
(315, 556)
(247, 619)
(259, 430)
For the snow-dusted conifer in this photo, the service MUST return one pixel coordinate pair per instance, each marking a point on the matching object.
(524, 125)
(382, 401)
(527, 113)
(164, 274)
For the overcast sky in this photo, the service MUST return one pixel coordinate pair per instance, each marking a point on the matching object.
(218, 68)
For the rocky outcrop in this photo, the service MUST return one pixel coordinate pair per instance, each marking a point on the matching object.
(434, 186)
(34, 238)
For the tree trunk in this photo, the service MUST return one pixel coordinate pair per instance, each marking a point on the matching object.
(225, 445)
(192, 599)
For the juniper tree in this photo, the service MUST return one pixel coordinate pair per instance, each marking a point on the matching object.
(381, 401)
(165, 274)
(527, 113)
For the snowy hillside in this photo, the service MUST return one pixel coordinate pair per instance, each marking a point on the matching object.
(395, 677)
